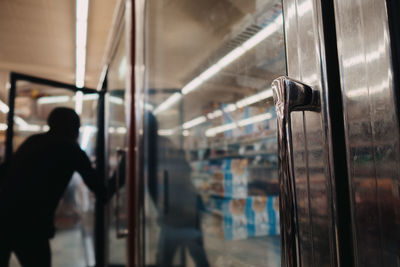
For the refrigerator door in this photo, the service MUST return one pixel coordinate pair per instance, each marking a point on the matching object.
(370, 106)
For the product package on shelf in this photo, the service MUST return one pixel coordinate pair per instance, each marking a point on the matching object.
(234, 219)
(231, 180)
(263, 215)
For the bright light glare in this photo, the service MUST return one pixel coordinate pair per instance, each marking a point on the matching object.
(254, 98)
(226, 127)
(121, 130)
(3, 107)
(3, 126)
(78, 102)
(53, 99)
(215, 114)
(168, 103)
(87, 133)
(194, 122)
(116, 100)
(30, 128)
(20, 122)
(165, 132)
(230, 108)
(82, 8)
(88, 97)
(254, 119)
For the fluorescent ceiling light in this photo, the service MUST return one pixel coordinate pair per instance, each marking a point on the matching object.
(215, 114)
(82, 9)
(254, 119)
(53, 99)
(168, 103)
(185, 133)
(274, 26)
(20, 122)
(3, 107)
(87, 132)
(194, 122)
(165, 132)
(121, 130)
(230, 126)
(30, 128)
(148, 107)
(116, 100)
(230, 108)
(3, 126)
(219, 129)
(78, 102)
(254, 98)
(45, 128)
(88, 97)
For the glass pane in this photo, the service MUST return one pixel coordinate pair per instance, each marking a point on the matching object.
(117, 143)
(210, 132)
(73, 243)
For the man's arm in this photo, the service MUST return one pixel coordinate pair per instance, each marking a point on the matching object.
(89, 175)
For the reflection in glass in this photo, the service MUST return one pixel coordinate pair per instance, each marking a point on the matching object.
(210, 133)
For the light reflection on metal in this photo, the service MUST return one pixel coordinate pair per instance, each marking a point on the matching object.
(289, 95)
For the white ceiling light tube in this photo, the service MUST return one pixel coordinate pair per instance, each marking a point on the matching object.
(3, 107)
(20, 122)
(168, 103)
(254, 119)
(215, 114)
(82, 9)
(88, 97)
(116, 100)
(30, 128)
(230, 108)
(53, 99)
(254, 98)
(194, 122)
(165, 132)
(78, 102)
(226, 127)
(3, 126)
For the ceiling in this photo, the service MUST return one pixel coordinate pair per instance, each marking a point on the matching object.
(37, 37)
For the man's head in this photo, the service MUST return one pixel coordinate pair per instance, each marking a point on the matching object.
(64, 122)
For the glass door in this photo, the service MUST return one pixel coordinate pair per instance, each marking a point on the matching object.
(211, 171)
(117, 149)
(74, 219)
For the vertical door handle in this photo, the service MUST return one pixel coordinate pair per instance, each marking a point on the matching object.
(121, 232)
(289, 95)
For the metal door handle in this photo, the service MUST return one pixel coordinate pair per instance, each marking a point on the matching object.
(289, 95)
(121, 233)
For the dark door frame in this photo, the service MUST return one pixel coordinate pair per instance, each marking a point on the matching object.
(100, 236)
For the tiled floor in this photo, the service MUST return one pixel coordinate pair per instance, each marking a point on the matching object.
(67, 250)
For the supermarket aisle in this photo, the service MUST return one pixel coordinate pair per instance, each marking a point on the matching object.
(67, 250)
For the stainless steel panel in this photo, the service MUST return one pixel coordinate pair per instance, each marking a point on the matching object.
(372, 129)
(311, 149)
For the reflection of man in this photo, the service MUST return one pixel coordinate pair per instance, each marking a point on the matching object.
(178, 203)
(34, 182)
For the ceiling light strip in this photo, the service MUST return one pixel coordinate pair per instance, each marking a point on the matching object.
(82, 9)
(274, 26)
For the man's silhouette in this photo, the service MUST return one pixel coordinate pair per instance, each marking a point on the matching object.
(32, 185)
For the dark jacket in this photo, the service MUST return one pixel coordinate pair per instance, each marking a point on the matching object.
(35, 180)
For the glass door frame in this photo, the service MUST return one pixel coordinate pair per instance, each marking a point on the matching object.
(100, 143)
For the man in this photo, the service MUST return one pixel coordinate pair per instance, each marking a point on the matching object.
(32, 185)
